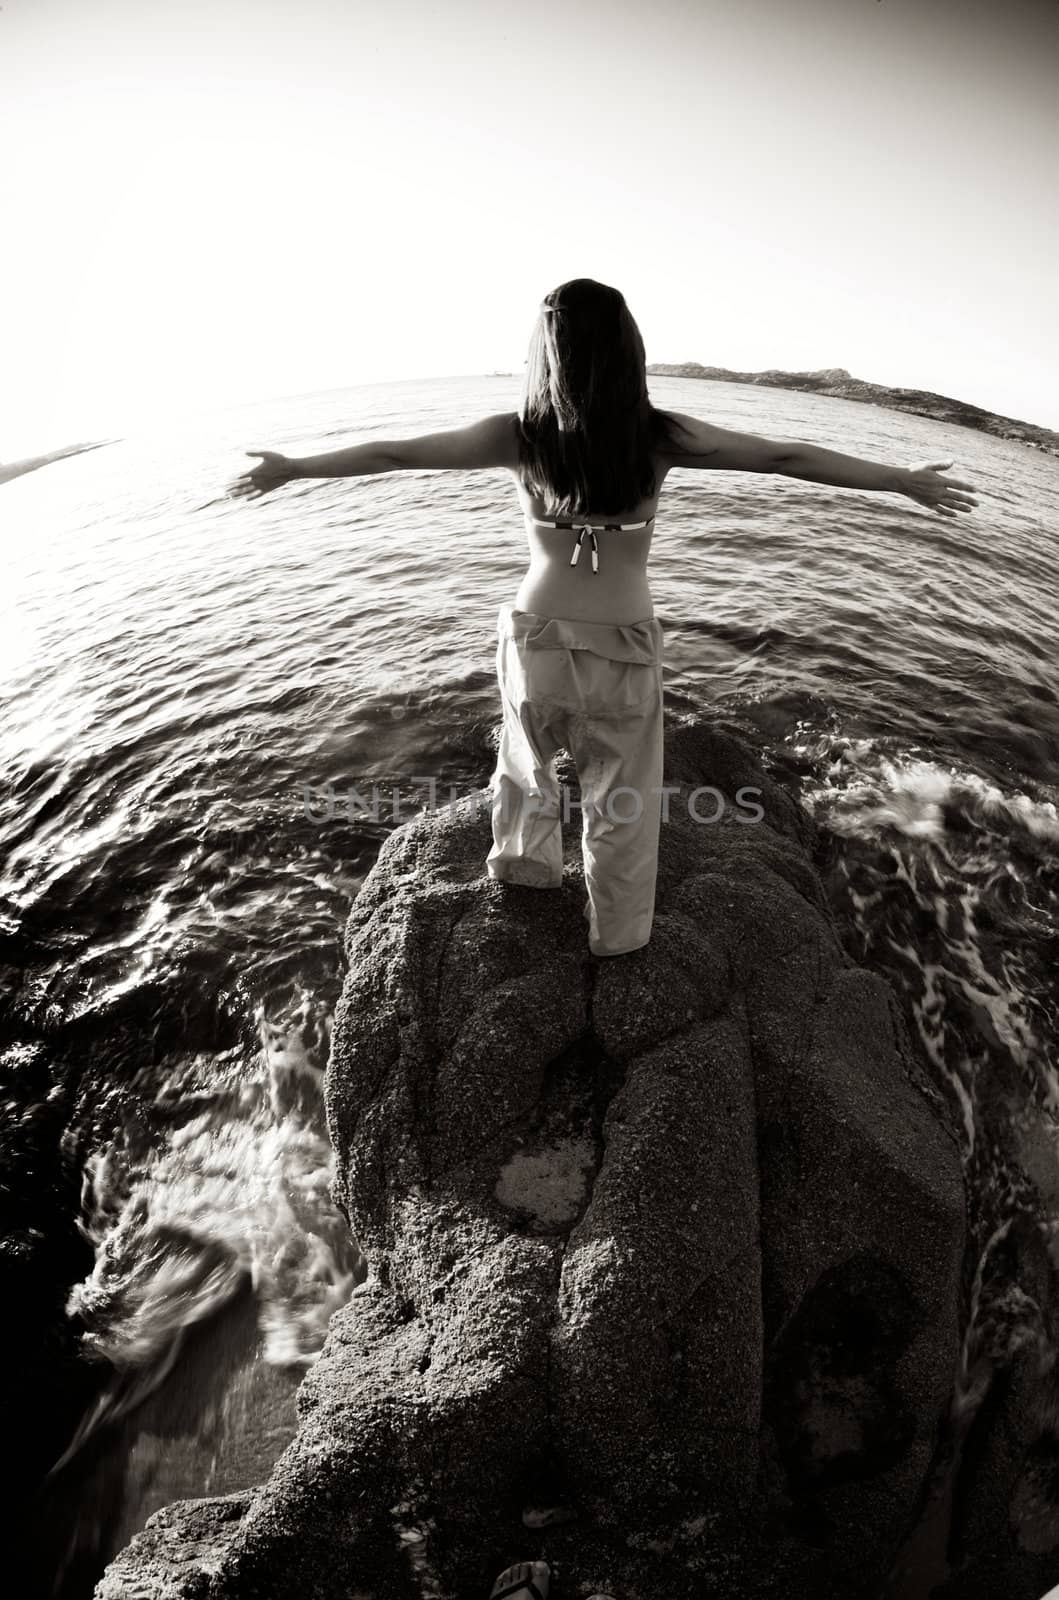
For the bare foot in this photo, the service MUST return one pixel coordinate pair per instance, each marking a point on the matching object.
(526, 1580)
(548, 1516)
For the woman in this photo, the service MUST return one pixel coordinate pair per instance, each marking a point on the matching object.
(579, 659)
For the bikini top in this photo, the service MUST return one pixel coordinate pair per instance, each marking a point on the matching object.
(581, 528)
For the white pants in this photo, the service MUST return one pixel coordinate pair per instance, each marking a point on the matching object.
(594, 689)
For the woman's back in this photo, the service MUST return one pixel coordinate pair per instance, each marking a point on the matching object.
(617, 590)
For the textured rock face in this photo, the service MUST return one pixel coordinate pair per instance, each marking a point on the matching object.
(670, 1242)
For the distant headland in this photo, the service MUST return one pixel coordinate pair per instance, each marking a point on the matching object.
(15, 469)
(838, 382)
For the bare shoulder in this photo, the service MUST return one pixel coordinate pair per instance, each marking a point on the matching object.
(696, 441)
(497, 437)
(701, 444)
(512, 422)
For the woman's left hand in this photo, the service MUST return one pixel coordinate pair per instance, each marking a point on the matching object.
(274, 471)
(943, 495)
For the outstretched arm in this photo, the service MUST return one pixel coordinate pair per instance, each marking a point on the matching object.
(722, 450)
(489, 443)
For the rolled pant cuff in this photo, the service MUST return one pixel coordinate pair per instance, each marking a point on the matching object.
(626, 950)
(524, 874)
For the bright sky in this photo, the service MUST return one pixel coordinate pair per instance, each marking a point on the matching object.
(210, 201)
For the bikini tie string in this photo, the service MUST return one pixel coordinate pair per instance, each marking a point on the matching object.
(577, 547)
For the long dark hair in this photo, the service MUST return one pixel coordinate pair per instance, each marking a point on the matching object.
(587, 428)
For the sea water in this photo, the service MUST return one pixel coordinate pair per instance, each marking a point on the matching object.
(186, 677)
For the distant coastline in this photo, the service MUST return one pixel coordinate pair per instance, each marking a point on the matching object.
(15, 469)
(834, 381)
(838, 382)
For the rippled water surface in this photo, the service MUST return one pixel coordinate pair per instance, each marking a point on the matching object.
(179, 666)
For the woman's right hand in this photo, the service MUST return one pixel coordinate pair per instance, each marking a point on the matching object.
(946, 496)
(274, 471)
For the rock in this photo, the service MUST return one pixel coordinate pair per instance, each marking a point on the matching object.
(172, 1560)
(671, 1241)
(1016, 1577)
